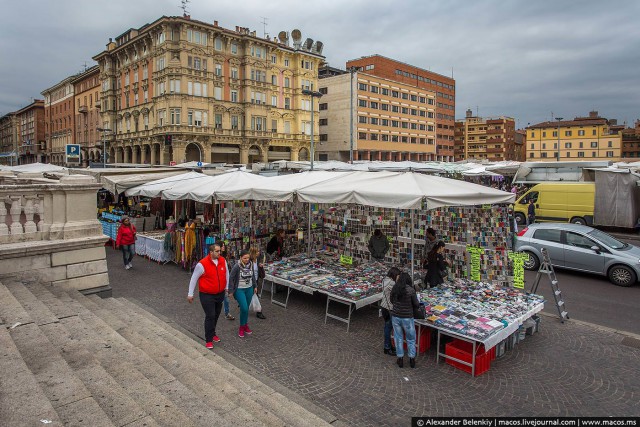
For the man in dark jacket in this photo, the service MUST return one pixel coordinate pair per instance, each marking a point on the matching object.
(275, 247)
(378, 245)
(531, 212)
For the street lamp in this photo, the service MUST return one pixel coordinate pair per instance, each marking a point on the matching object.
(104, 144)
(318, 95)
(559, 119)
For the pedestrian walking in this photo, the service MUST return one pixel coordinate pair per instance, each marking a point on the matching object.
(126, 240)
(258, 265)
(386, 306)
(212, 277)
(230, 263)
(531, 212)
(404, 301)
(242, 285)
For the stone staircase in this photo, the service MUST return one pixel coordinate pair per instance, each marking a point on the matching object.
(70, 359)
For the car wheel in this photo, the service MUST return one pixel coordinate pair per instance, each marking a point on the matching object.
(621, 275)
(531, 263)
(520, 219)
(578, 220)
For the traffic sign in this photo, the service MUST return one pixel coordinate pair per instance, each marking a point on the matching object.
(199, 164)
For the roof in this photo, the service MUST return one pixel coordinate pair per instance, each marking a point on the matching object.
(578, 121)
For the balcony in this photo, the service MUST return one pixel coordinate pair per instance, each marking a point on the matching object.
(83, 109)
(495, 131)
(494, 150)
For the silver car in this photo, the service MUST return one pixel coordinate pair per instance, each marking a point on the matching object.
(580, 248)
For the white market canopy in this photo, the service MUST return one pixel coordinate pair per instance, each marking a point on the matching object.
(205, 190)
(157, 185)
(35, 168)
(119, 183)
(480, 171)
(401, 190)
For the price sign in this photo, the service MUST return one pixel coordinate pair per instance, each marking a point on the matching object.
(347, 260)
(475, 262)
(345, 234)
(314, 225)
(518, 259)
(390, 239)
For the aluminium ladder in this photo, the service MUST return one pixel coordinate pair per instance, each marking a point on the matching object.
(547, 268)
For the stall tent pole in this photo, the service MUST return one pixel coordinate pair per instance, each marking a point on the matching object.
(309, 232)
(413, 256)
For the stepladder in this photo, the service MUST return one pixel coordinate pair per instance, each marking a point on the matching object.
(546, 268)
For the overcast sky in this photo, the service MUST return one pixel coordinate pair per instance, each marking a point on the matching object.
(525, 59)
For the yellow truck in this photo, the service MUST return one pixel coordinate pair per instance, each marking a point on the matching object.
(558, 202)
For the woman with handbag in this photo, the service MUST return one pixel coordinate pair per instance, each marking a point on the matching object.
(242, 285)
(436, 266)
(385, 308)
(405, 303)
(254, 255)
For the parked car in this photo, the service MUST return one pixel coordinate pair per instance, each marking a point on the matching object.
(581, 248)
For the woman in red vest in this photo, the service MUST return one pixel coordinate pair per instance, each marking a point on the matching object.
(126, 239)
(211, 275)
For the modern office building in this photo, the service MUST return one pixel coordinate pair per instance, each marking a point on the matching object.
(492, 139)
(182, 90)
(583, 138)
(372, 118)
(444, 88)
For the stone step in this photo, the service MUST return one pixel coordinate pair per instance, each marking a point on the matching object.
(280, 405)
(221, 401)
(69, 397)
(22, 401)
(11, 311)
(38, 311)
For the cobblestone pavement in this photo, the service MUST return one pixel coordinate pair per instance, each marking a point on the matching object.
(566, 369)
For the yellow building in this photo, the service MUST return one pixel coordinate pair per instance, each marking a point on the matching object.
(583, 138)
(184, 90)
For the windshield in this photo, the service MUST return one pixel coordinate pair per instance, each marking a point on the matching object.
(608, 240)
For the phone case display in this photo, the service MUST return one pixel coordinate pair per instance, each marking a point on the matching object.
(477, 310)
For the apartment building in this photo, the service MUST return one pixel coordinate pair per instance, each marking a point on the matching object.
(521, 145)
(583, 138)
(491, 139)
(182, 90)
(385, 119)
(86, 94)
(59, 115)
(444, 88)
(8, 139)
(31, 133)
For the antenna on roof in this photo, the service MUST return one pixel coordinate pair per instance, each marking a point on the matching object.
(264, 26)
(185, 12)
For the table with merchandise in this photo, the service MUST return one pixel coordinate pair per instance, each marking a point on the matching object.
(354, 286)
(476, 312)
(152, 245)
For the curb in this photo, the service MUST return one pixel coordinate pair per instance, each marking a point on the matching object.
(595, 326)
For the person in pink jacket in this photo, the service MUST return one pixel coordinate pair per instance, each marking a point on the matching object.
(126, 239)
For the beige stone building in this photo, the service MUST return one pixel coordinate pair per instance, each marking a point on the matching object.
(492, 139)
(182, 90)
(86, 90)
(391, 120)
(583, 138)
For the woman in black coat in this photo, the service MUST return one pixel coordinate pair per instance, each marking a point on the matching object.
(404, 301)
(436, 266)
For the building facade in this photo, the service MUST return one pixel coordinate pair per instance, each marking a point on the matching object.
(8, 139)
(444, 88)
(521, 145)
(86, 90)
(391, 121)
(491, 139)
(181, 90)
(631, 143)
(31, 133)
(59, 113)
(583, 138)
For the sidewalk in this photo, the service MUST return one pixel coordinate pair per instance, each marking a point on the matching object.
(566, 369)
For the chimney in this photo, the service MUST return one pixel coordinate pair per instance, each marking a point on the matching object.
(613, 122)
(237, 29)
(593, 114)
(215, 23)
(469, 113)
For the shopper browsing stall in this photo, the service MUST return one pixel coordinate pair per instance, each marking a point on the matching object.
(275, 247)
(385, 308)
(212, 277)
(404, 301)
(126, 239)
(254, 256)
(242, 285)
(430, 241)
(378, 245)
(436, 266)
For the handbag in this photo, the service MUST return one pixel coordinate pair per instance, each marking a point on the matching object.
(261, 272)
(419, 312)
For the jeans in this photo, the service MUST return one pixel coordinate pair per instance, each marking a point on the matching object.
(407, 326)
(127, 253)
(243, 296)
(388, 327)
(211, 304)
(226, 305)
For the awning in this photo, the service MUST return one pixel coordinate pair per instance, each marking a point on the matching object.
(157, 185)
(119, 183)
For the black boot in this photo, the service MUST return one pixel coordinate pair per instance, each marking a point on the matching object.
(259, 315)
(390, 351)
(400, 362)
(412, 362)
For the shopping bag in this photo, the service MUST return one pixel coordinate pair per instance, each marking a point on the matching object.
(255, 304)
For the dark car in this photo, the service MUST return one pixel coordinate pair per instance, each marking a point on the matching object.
(580, 248)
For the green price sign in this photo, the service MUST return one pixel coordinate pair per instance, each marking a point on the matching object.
(390, 239)
(518, 259)
(475, 262)
(346, 260)
(344, 235)
(314, 225)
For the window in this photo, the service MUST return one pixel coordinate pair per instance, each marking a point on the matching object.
(323, 106)
(544, 146)
(160, 88)
(373, 105)
(384, 107)
(258, 98)
(218, 70)
(287, 82)
(594, 132)
(274, 100)
(579, 241)
(362, 103)
(395, 123)
(234, 48)
(405, 110)
(374, 89)
(405, 95)
(531, 155)
(287, 127)
(581, 133)
(258, 123)
(234, 73)
(305, 104)
(217, 45)
(543, 155)
(234, 96)
(555, 134)
(175, 116)
(258, 52)
(544, 134)
(287, 103)
(374, 120)
(533, 134)
(384, 91)
(581, 144)
(197, 118)
(235, 120)
(160, 64)
(395, 94)
(161, 117)
(274, 79)
(323, 90)
(174, 86)
(217, 93)
(217, 120)
(567, 145)
(362, 86)
(362, 119)
(594, 144)
(373, 136)
(324, 137)
(324, 122)
(593, 154)
(286, 62)
(384, 122)
(580, 153)
(395, 109)
(198, 37)
(567, 133)
(274, 59)
(362, 135)
(160, 38)
(609, 153)
(609, 144)
(548, 235)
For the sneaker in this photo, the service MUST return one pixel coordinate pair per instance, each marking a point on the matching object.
(209, 345)
(229, 316)
(130, 265)
(216, 338)
(259, 315)
(126, 267)
(241, 332)
(247, 330)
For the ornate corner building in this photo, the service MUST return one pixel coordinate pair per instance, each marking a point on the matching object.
(180, 90)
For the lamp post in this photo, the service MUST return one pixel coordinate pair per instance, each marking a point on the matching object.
(318, 95)
(104, 145)
(559, 119)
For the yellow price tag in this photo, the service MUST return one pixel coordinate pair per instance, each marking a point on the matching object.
(346, 260)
